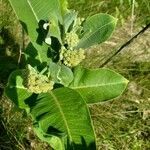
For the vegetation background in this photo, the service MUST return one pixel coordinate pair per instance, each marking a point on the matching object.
(120, 124)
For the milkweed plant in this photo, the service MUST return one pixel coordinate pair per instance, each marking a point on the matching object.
(52, 87)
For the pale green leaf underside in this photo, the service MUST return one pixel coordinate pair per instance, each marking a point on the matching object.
(98, 85)
(60, 73)
(65, 75)
(63, 113)
(97, 29)
(54, 141)
(16, 91)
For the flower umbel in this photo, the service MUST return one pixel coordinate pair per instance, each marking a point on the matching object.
(71, 39)
(72, 58)
(36, 82)
(69, 54)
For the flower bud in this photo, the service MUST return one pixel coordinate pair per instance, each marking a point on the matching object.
(36, 82)
(72, 58)
(71, 39)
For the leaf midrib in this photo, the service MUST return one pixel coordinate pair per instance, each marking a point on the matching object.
(30, 5)
(62, 114)
(97, 85)
(89, 35)
(37, 19)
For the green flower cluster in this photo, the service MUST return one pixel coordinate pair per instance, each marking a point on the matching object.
(71, 39)
(36, 82)
(78, 24)
(69, 55)
(72, 58)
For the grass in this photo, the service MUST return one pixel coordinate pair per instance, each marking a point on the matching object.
(124, 123)
(120, 124)
(119, 8)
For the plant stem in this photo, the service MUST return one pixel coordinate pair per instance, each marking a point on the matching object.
(125, 45)
(132, 16)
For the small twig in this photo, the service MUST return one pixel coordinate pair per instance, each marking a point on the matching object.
(21, 47)
(20, 53)
(125, 45)
(132, 16)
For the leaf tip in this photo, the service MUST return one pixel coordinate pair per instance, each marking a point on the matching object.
(126, 81)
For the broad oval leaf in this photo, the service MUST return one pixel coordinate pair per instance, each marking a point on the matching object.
(36, 11)
(97, 29)
(65, 75)
(31, 13)
(60, 73)
(63, 113)
(98, 84)
(16, 91)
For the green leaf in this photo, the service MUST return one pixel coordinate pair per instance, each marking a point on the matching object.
(54, 30)
(54, 141)
(64, 114)
(65, 75)
(61, 73)
(34, 56)
(69, 19)
(64, 7)
(16, 91)
(97, 29)
(34, 12)
(53, 71)
(98, 84)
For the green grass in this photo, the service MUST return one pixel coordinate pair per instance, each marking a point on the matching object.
(119, 8)
(120, 124)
